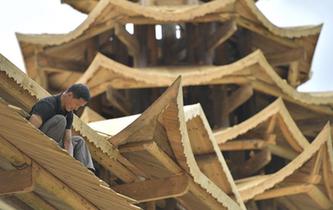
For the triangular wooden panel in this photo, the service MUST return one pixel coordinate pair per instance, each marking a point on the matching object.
(158, 144)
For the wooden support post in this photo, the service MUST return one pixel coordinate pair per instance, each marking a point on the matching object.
(16, 181)
(152, 46)
(293, 74)
(155, 189)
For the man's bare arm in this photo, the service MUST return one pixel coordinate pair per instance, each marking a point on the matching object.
(36, 120)
(68, 145)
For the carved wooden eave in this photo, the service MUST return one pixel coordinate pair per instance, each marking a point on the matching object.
(84, 6)
(303, 183)
(274, 115)
(57, 178)
(158, 144)
(39, 50)
(253, 70)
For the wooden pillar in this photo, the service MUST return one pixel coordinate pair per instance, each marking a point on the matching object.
(152, 46)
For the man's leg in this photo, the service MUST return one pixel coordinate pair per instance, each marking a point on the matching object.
(81, 152)
(55, 128)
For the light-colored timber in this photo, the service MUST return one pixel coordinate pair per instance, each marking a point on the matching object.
(253, 70)
(61, 179)
(159, 144)
(40, 51)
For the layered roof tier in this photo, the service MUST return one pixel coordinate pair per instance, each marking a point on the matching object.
(225, 24)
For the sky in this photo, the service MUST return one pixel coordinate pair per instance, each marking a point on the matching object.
(50, 16)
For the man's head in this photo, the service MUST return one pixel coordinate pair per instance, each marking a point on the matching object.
(75, 97)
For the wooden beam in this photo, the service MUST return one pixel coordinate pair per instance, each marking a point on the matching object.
(13, 155)
(246, 144)
(129, 40)
(284, 191)
(239, 97)
(221, 35)
(16, 181)
(35, 201)
(282, 152)
(155, 151)
(155, 189)
(311, 190)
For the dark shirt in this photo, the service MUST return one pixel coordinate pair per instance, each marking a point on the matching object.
(50, 106)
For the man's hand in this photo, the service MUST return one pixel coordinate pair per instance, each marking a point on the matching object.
(36, 120)
(68, 145)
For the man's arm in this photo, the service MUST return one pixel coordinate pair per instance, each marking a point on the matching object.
(68, 145)
(36, 120)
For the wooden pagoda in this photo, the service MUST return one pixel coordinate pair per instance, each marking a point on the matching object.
(194, 109)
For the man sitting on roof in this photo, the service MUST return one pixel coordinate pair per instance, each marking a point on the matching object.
(53, 115)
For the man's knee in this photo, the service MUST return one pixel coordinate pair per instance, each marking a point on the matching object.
(56, 124)
(61, 119)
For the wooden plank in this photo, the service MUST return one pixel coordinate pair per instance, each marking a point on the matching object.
(13, 155)
(155, 189)
(88, 115)
(60, 190)
(286, 57)
(16, 181)
(35, 201)
(246, 144)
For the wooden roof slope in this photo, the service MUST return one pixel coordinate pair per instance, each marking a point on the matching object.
(308, 176)
(56, 177)
(21, 91)
(307, 173)
(18, 89)
(274, 115)
(158, 144)
(247, 8)
(253, 70)
(304, 168)
(107, 14)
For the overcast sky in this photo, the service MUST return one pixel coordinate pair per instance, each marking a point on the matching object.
(49, 16)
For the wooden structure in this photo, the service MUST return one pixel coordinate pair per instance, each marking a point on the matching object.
(250, 141)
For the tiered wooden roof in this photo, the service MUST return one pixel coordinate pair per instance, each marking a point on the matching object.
(271, 145)
(54, 58)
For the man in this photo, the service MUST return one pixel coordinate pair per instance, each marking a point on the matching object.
(53, 115)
